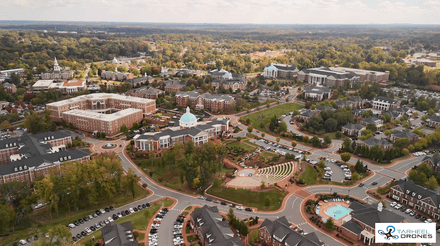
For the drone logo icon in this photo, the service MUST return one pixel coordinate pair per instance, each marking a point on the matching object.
(388, 235)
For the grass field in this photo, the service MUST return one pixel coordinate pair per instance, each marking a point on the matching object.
(41, 216)
(249, 198)
(268, 154)
(309, 176)
(253, 144)
(241, 145)
(266, 114)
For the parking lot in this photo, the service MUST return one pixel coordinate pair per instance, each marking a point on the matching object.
(278, 148)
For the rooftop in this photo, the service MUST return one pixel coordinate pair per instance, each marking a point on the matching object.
(103, 117)
(99, 96)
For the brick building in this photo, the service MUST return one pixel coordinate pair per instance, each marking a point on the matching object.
(11, 88)
(284, 71)
(365, 75)
(353, 102)
(433, 161)
(199, 133)
(173, 85)
(25, 157)
(371, 142)
(227, 84)
(206, 101)
(66, 87)
(353, 129)
(212, 229)
(372, 120)
(109, 75)
(398, 134)
(433, 121)
(279, 233)
(418, 197)
(385, 103)
(145, 92)
(363, 221)
(306, 115)
(317, 93)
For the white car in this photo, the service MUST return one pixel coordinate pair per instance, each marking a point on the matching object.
(239, 207)
(398, 206)
(327, 169)
(110, 219)
(102, 211)
(428, 221)
(131, 210)
(201, 197)
(88, 230)
(393, 204)
(71, 226)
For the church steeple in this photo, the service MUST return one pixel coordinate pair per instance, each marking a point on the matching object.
(56, 67)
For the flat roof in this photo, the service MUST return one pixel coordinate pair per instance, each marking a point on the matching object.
(41, 83)
(103, 117)
(97, 96)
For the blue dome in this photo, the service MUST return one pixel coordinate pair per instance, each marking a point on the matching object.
(188, 117)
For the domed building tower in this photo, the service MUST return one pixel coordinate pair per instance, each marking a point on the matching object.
(187, 120)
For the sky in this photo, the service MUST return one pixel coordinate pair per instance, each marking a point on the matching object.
(226, 11)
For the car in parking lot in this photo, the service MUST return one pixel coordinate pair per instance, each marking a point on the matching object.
(398, 206)
(418, 216)
(412, 213)
(248, 209)
(393, 204)
(209, 199)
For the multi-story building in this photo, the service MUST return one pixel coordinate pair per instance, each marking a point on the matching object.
(145, 92)
(11, 88)
(25, 157)
(173, 85)
(371, 142)
(433, 121)
(212, 229)
(199, 133)
(364, 75)
(372, 120)
(284, 71)
(110, 124)
(385, 103)
(280, 233)
(66, 87)
(316, 93)
(57, 73)
(363, 221)
(6, 74)
(119, 234)
(109, 75)
(353, 102)
(140, 80)
(306, 115)
(101, 102)
(353, 129)
(326, 76)
(224, 75)
(227, 84)
(398, 134)
(418, 197)
(433, 161)
(206, 101)
(320, 108)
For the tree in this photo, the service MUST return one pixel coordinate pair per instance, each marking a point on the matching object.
(405, 151)
(372, 127)
(278, 139)
(123, 129)
(250, 129)
(130, 180)
(327, 139)
(7, 217)
(367, 114)
(355, 176)
(359, 167)
(345, 156)
(294, 143)
(329, 224)
(338, 134)
(267, 201)
(401, 142)
(58, 235)
(306, 139)
(321, 164)
(347, 145)
(5, 125)
(263, 134)
(135, 126)
(231, 214)
(315, 141)
(263, 185)
(432, 183)
(388, 133)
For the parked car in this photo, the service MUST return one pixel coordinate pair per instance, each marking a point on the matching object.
(393, 204)
(361, 185)
(374, 183)
(248, 209)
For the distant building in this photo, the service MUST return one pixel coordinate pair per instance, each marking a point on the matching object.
(320, 108)
(140, 80)
(284, 71)
(353, 102)
(57, 73)
(233, 84)
(6, 74)
(145, 92)
(279, 232)
(317, 93)
(206, 101)
(109, 75)
(385, 103)
(423, 61)
(353, 129)
(221, 74)
(372, 120)
(365, 75)
(114, 234)
(66, 87)
(398, 134)
(433, 121)
(25, 157)
(212, 229)
(173, 85)
(11, 88)
(306, 115)
(371, 142)
(326, 76)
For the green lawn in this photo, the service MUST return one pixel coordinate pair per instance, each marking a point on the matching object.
(268, 154)
(265, 115)
(309, 176)
(188, 208)
(44, 223)
(190, 238)
(253, 144)
(241, 145)
(249, 198)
